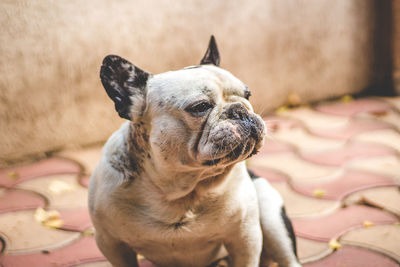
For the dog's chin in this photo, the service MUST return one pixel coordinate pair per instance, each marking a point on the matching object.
(241, 152)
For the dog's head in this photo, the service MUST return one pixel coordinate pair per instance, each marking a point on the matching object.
(196, 117)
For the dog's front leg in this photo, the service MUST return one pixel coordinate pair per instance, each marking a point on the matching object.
(279, 242)
(118, 253)
(245, 245)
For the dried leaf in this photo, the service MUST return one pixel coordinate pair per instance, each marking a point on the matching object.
(40, 215)
(53, 223)
(13, 175)
(334, 244)
(318, 193)
(58, 187)
(49, 218)
(368, 224)
(282, 109)
(88, 233)
(347, 99)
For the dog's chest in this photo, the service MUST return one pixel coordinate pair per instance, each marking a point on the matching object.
(157, 223)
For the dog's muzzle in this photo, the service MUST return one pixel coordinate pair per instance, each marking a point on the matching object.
(238, 134)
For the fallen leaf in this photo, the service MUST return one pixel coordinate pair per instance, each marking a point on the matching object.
(368, 224)
(318, 193)
(282, 109)
(88, 233)
(13, 175)
(334, 244)
(347, 99)
(49, 218)
(57, 187)
(53, 223)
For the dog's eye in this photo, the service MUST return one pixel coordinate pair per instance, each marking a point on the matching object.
(199, 109)
(247, 94)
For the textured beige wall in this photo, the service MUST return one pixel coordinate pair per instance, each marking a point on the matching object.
(50, 53)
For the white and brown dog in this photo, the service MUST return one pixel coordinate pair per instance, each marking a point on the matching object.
(172, 183)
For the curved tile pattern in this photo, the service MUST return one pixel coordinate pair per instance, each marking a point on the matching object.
(324, 228)
(81, 251)
(382, 238)
(386, 197)
(354, 257)
(13, 200)
(51, 166)
(63, 190)
(352, 151)
(343, 185)
(353, 108)
(24, 234)
(353, 128)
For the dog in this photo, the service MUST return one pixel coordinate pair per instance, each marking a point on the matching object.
(172, 183)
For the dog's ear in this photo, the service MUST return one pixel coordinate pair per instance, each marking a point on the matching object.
(125, 84)
(212, 54)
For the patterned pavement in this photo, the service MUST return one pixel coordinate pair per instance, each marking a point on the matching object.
(336, 165)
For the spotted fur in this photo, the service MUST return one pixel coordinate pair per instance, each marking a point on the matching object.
(172, 183)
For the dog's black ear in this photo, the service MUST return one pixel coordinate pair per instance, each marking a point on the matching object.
(125, 84)
(212, 54)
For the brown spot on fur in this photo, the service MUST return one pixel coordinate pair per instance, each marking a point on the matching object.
(130, 161)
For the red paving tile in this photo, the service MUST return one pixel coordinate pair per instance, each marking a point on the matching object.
(354, 107)
(15, 175)
(353, 128)
(273, 146)
(339, 187)
(13, 200)
(331, 226)
(318, 219)
(82, 251)
(275, 123)
(84, 181)
(354, 150)
(354, 257)
(75, 220)
(270, 175)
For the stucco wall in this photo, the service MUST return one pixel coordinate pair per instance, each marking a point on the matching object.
(50, 53)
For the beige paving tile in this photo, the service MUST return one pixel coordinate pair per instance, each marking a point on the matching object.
(63, 191)
(388, 137)
(24, 234)
(88, 157)
(386, 165)
(298, 205)
(314, 119)
(395, 101)
(387, 198)
(390, 116)
(310, 250)
(292, 165)
(383, 238)
(306, 142)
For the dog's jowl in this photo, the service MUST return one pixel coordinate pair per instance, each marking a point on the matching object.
(172, 183)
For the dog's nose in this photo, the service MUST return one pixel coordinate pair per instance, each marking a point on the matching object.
(237, 111)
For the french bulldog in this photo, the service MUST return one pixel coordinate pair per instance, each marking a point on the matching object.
(172, 183)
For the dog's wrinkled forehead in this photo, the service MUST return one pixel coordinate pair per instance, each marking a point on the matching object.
(195, 82)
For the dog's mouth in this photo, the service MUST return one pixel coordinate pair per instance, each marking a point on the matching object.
(241, 149)
(232, 141)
